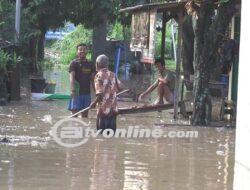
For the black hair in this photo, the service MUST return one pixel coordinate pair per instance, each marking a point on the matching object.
(81, 44)
(160, 60)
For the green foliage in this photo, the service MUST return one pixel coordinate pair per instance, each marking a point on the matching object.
(168, 42)
(40, 15)
(66, 47)
(90, 12)
(16, 59)
(223, 1)
(118, 31)
(4, 58)
(7, 19)
(170, 64)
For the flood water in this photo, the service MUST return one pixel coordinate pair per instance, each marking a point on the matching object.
(33, 160)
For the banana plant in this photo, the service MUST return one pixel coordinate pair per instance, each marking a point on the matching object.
(15, 59)
(4, 58)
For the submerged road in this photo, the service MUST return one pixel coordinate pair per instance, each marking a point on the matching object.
(33, 160)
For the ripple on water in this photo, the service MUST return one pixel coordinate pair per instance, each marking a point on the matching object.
(5, 161)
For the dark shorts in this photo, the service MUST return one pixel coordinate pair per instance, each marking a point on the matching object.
(106, 122)
(79, 102)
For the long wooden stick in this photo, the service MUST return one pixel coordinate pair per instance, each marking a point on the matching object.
(81, 111)
(86, 109)
(122, 92)
(143, 109)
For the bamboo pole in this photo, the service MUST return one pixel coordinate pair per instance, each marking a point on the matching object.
(231, 72)
(173, 41)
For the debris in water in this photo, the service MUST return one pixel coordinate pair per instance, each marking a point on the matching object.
(47, 119)
(5, 161)
(4, 140)
(220, 153)
(7, 115)
(122, 119)
(34, 143)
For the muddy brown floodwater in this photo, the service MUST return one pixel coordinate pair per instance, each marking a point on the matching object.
(33, 160)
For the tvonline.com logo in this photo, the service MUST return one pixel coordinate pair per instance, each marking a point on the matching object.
(73, 132)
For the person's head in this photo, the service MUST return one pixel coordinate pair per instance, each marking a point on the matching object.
(159, 63)
(82, 50)
(102, 61)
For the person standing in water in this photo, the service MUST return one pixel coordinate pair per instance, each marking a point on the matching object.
(82, 74)
(106, 87)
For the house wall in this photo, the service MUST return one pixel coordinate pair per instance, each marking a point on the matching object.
(242, 152)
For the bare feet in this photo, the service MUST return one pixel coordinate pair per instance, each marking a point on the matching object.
(158, 102)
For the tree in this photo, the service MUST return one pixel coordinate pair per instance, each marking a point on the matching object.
(209, 27)
(38, 16)
(188, 49)
(7, 20)
(95, 14)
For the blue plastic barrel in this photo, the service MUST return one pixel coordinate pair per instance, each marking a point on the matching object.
(224, 79)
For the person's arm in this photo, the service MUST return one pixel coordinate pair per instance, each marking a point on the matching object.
(120, 85)
(149, 90)
(98, 84)
(163, 80)
(92, 81)
(72, 83)
(93, 73)
(98, 99)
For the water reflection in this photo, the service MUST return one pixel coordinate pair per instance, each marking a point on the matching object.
(123, 164)
(34, 161)
(11, 175)
(103, 173)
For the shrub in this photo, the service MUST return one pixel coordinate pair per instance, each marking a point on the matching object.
(66, 47)
(4, 58)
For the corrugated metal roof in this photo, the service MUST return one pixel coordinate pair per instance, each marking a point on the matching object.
(165, 6)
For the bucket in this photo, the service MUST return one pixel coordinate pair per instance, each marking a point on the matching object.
(229, 111)
(37, 85)
(224, 79)
(50, 88)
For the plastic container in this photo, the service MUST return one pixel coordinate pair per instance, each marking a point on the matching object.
(224, 79)
(37, 85)
(50, 88)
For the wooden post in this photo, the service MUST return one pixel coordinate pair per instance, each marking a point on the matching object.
(15, 83)
(15, 74)
(173, 40)
(231, 72)
(178, 64)
(163, 36)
